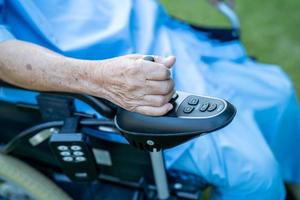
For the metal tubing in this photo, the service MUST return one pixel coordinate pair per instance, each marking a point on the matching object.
(160, 176)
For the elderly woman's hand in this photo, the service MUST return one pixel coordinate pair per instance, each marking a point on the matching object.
(135, 84)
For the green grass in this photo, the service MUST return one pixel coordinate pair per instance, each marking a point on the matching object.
(270, 29)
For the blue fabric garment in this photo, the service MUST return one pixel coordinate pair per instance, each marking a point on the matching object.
(241, 160)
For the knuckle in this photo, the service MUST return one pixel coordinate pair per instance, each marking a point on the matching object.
(130, 69)
(134, 85)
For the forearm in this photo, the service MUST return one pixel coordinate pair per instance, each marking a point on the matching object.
(33, 67)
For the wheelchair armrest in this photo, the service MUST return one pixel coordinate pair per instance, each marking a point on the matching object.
(102, 106)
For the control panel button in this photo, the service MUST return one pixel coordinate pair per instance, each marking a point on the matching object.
(62, 148)
(75, 148)
(220, 107)
(188, 109)
(78, 153)
(68, 159)
(204, 107)
(65, 153)
(212, 107)
(80, 159)
(193, 101)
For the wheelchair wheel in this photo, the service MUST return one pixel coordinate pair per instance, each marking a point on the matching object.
(35, 184)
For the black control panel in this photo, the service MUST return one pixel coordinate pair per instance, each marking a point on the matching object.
(192, 115)
(74, 155)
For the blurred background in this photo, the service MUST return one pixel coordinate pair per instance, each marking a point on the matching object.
(270, 29)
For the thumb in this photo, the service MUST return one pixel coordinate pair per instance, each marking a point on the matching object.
(167, 61)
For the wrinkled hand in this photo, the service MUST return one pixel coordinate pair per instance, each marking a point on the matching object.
(138, 85)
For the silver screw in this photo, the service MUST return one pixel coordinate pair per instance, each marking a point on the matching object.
(177, 186)
(150, 142)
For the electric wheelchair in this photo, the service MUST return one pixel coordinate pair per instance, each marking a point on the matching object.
(75, 146)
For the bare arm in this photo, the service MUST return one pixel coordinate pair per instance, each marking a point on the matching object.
(128, 81)
(34, 67)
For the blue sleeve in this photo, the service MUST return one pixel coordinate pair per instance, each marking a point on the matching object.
(5, 34)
